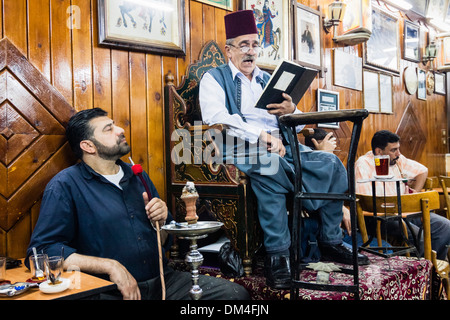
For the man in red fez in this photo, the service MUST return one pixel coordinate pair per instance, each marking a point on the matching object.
(228, 95)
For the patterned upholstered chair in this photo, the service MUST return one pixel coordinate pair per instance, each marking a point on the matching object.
(224, 191)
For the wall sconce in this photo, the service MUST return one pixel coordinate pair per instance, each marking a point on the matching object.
(430, 53)
(336, 11)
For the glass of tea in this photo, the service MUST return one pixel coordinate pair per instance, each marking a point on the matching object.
(382, 165)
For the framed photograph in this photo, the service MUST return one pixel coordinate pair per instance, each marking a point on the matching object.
(411, 41)
(386, 96)
(422, 86)
(347, 71)
(327, 101)
(439, 83)
(308, 39)
(437, 9)
(382, 50)
(371, 90)
(143, 27)
(223, 4)
(378, 92)
(446, 45)
(273, 21)
(357, 17)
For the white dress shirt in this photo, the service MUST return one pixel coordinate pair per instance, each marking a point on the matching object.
(212, 105)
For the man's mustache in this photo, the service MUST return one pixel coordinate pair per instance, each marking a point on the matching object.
(249, 58)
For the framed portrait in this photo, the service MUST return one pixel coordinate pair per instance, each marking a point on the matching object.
(439, 83)
(382, 50)
(308, 39)
(273, 21)
(422, 84)
(156, 27)
(411, 41)
(327, 101)
(357, 17)
(378, 92)
(347, 71)
(223, 4)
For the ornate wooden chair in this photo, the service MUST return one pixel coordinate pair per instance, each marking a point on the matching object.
(411, 204)
(224, 191)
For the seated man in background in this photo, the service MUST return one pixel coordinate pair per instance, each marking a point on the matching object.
(228, 95)
(98, 213)
(385, 142)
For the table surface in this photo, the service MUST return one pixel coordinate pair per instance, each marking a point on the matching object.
(82, 285)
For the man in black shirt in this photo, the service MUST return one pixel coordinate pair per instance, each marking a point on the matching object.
(99, 212)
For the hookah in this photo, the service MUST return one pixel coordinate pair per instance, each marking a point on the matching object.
(192, 230)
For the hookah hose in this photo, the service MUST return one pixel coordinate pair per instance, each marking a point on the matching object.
(137, 170)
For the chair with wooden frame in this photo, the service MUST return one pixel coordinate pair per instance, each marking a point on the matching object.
(444, 181)
(411, 205)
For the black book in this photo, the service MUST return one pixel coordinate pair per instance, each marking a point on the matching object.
(288, 77)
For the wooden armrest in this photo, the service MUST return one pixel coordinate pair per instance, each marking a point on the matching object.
(323, 117)
(205, 127)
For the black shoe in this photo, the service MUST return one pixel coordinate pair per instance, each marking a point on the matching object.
(341, 253)
(277, 271)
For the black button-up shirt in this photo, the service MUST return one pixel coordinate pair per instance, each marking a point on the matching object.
(85, 213)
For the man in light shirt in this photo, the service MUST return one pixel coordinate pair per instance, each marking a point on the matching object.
(228, 95)
(385, 142)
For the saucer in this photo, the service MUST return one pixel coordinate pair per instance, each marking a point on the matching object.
(390, 176)
(48, 287)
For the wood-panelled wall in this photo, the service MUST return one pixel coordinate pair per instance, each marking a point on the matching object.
(129, 85)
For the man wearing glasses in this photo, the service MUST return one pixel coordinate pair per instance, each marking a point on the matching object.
(228, 95)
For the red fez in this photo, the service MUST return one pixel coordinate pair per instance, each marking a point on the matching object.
(239, 23)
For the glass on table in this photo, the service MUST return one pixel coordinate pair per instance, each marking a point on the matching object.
(2, 268)
(382, 165)
(55, 269)
(38, 267)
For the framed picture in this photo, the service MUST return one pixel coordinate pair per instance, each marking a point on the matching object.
(422, 86)
(347, 70)
(357, 17)
(273, 21)
(223, 4)
(446, 45)
(327, 101)
(437, 9)
(386, 96)
(439, 83)
(378, 92)
(308, 39)
(142, 27)
(411, 40)
(382, 50)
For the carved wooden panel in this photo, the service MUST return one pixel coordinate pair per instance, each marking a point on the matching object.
(412, 138)
(33, 147)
